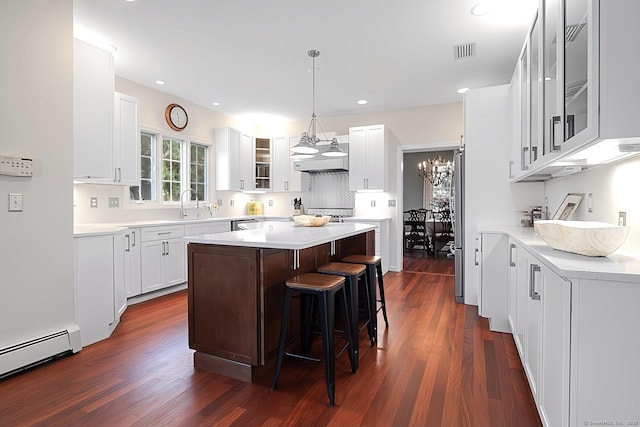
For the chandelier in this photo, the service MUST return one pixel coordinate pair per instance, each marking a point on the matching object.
(435, 170)
(307, 146)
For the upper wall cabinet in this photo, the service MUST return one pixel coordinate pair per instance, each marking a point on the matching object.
(126, 146)
(581, 92)
(285, 177)
(368, 154)
(93, 84)
(234, 160)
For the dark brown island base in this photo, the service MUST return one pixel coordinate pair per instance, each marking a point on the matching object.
(237, 284)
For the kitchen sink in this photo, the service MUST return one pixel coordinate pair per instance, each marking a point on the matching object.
(591, 238)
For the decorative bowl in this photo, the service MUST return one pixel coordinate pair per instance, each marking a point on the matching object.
(591, 238)
(311, 220)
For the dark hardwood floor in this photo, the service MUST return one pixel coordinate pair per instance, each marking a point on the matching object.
(436, 365)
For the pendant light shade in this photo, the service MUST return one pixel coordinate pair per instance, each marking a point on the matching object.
(304, 146)
(334, 150)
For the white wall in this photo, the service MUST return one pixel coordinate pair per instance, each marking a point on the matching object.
(614, 188)
(36, 288)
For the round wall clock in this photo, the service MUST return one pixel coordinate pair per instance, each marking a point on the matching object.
(176, 117)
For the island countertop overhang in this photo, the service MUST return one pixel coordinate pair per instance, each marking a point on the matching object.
(283, 235)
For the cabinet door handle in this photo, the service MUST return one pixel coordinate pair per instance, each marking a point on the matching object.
(164, 233)
(167, 248)
(242, 184)
(163, 249)
(571, 126)
(133, 233)
(512, 164)
(534, 153)
(128, 248)
(119, 174)
(511, 261)
(475, 257)
(523, 165)
(115, 174)
(554, 121)
(533, 269)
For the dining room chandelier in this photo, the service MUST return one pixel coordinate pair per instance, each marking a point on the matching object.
(307, 146)
(435, 170)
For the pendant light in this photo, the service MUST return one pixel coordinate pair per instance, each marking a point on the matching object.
(309, 140)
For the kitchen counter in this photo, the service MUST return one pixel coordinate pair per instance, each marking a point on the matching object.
(283, 235)
(621, 266)
(112, 227)
(237, 284)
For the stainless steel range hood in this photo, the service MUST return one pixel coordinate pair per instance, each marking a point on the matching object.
(320, 163)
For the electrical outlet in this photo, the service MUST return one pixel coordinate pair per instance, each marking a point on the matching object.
(114, 202)
(231, 202)
(392, 203)
(93, 202)
(270, 202)
(373, 203)
(622, 218)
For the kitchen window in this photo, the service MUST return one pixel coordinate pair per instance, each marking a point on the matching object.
(198, 171)
(171, 162)
(169, 166)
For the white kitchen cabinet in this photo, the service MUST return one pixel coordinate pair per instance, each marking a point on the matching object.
(133, 283)
(555, 349)
(162, 257)
(234, 160)
(120, 272)
(93, 85)
(263, 160)
(494, 282)
(586, 87)
(533, 329)
(94, 287)
(285, 177)
(368, 155)
(126, 145)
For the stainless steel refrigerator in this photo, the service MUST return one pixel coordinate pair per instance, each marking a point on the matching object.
(458, 226)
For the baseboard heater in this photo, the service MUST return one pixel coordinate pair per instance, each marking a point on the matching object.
(19, 357)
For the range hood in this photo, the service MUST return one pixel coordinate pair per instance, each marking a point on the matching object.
(320, 163)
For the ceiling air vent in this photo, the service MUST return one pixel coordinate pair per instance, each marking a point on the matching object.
(461, 51)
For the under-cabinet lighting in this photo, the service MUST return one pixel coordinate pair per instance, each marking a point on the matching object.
(159, 82)
(604, 151)
(362, 102)
(463, 90)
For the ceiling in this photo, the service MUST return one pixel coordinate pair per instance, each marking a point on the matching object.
(250, 56)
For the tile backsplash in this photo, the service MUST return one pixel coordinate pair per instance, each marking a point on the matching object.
(329, 190)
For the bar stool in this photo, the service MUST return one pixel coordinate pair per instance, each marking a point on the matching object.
(374, 264)
(352, 273)
(324, 288)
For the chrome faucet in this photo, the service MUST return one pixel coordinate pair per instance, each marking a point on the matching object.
(183, 210)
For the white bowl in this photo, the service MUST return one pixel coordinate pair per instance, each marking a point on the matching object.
(589, 238)
(311, 220)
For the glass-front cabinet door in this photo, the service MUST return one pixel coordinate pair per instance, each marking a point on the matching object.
(552, 76)
(535, 96)
(580, 91)
(525, 159)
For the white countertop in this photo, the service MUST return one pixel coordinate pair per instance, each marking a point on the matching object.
(114, 227)
(622, 265)
(283, 235)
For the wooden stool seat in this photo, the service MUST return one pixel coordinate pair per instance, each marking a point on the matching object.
(324, 288)
(352, 273)
(374, 265)
(315, 281)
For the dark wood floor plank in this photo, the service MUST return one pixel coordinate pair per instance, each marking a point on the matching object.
(438, 364)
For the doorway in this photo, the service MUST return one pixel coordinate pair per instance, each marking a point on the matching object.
(412, 195)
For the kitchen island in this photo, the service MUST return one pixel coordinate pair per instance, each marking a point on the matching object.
(236, 285)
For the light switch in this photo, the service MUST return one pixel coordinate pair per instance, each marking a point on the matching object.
(15, 202)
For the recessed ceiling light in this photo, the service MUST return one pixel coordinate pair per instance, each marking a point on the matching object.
(463, 90)
(215, 103)
(160, 82)
(362, 102)
(482, 8)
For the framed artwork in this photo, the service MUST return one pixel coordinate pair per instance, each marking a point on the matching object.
(568, 206)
